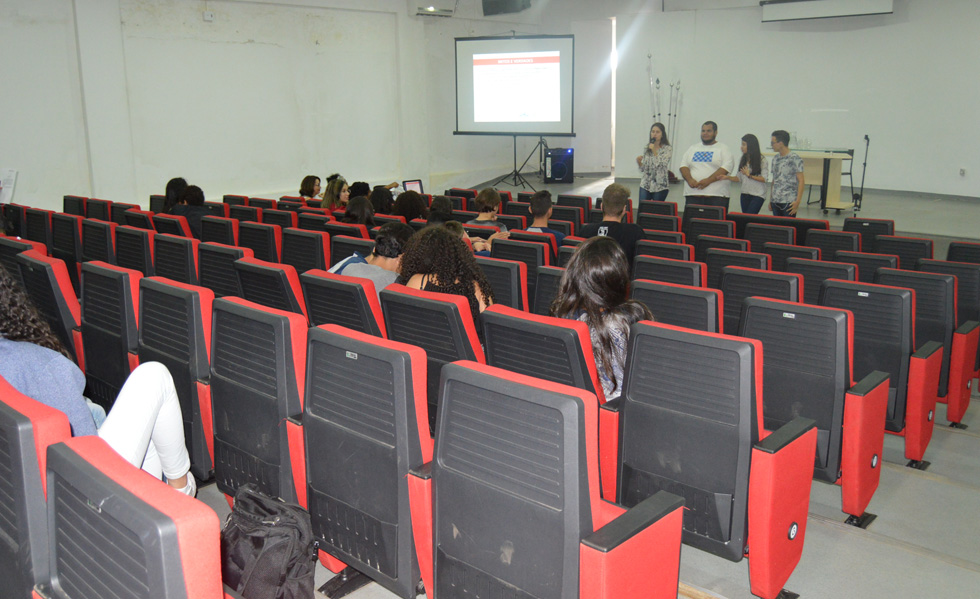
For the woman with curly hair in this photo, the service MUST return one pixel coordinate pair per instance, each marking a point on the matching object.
(144, 426)
(594, 289)
(437, 260)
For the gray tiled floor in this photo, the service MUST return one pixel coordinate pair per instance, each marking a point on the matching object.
(924, 542)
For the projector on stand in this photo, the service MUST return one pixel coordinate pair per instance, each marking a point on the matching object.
(559, 165)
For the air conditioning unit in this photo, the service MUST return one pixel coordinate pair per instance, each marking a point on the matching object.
(432, 8)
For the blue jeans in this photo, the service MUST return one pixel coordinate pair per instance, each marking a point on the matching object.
(781, 210)
(656, 196)
(751, 204)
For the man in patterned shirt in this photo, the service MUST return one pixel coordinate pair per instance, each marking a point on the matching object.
(787, 177)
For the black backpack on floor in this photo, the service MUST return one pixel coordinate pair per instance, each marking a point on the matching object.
(267, 548)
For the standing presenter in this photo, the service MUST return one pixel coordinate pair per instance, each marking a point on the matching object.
(654, 164)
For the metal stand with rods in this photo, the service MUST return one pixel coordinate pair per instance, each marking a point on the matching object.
(858, 197)
(515, 177)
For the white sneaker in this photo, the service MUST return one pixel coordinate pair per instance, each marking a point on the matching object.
(190, 489)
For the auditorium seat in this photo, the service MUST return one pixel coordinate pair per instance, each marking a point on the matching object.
(66, 244)
(697, 308)
(110, 309)
(810, 374)
(508, 279)
(219, 230)
(703, 243)
(801, 225)
(311, 222)
(967, 290)
(780, 252)
(10, 247)
(217, 268)
(908, 249)
(869, 229)
(692, 211)
(344, 246)
(271, 284)
(572, 214)
(348, 229)
(175, 330)
(247, 213)
(439, 323)
(667, 236)
(98, 240)
(157, 202)
(830, 242)
(13, 216)
(139, 218)
(759, 233)
(691, 423)
(815, 272)
(27, 428)
(264, 240)
(172, 224)
(651, 207)
(867, 263)
(695, 227)
(546, 288)
(663, 249)
(738, 283)
(73, 205)
(350, 302)
(884, 339)
(546, 238)
(258, 373)
(48, 284)
(117, 212)
(717, 259)
(667, 270)
(282, 218)
(532, 253)
(576, 201)
(263, 203)
(175, 257)
(134, 249)
(963, 251)
(305, 250)
(658, 222)
(37, 225)
(542, 529)
(218, 209)
(365, 413)
(234, 200)
(513, 222)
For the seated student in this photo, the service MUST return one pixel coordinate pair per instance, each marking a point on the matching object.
(437, 260)
(440, 211)
(144, 425)
(541, 209)
(336, 195)
(382, 265)
(309, 189)
(359, 212)
(614, 200)
(191, 207)
(381, 199)
(174, 187)
(594, 289)
(481, 247)
(359, 188)
(488, 205)
(411, 205)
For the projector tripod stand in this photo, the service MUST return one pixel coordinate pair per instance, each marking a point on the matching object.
(514, 177)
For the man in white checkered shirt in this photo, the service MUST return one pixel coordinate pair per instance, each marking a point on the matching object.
(705, 167)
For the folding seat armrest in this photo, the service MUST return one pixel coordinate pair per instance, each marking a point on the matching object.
(618, 559)
(779, 500)
(865, 407)
(609, 447)
(962, 358)
(925, 366)
(297, 455)
(420, 501)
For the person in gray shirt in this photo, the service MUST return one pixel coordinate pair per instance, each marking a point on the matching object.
(381, 265)
(787, 177)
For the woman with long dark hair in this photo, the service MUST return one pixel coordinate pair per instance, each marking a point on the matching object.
(437, 260)
(359, 212)
(175, 187)
(595, 289)
(654, 164)
(753, 169)
(144, 426)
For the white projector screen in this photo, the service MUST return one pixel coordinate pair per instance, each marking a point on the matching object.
(515, 85)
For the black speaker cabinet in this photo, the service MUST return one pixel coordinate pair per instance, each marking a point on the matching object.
(559, 165)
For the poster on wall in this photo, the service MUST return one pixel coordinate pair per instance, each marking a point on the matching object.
(8, 178)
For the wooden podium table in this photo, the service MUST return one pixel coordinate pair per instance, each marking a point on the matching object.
(823, 167)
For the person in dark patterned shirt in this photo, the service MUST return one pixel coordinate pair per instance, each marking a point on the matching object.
(787, 177)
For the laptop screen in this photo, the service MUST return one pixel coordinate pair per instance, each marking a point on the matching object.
(413, 185)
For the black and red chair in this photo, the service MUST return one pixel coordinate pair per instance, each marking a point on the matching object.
(967, 290)
(481, 231)
(248, 214)
(462, 192)
(810, 373)
(305, 250)
(175, 257)
(282, 218)
(532, 253)
(27, 428)
(37, 225)
(350, 302)
(815, 272)
(508, 278)
(172, 224)
(263, 203)
(517, 207)
(667, 270)
(801, 225)
(13, 216)
(311, 222)
(218, 208)
(258, 372)
(830, 242)
(234, 200)
(546, 238)
(781, 252)
(963, 251)
(48, 284)
(658, 222)
(578, 201)
(365, 413)
(935, 320)
(908, 249)
(134, 249)
(116, 532)
(565, 253)
(348, 229)
(513, 222)
(524, 196)
(110, 313)
(867, 263)
(271, 284)
(708, 226)
(572, 214)
(692, 211)
(264, 240)
(439, 323)
(651, 207)
(98, 240)
(869, 229)
(759, 233)
(690, 422)
(216, 263)
(219, 229)
(10, 247)
(117, 212)
(343, 246)
(703, 243)
(739, 282)
(546, 289)
(98, 209)
(157, 202)
(697, 308)
(291, 203)
(717, 259)
(175, 330)
(884, 339)
(140, 219)
(383, 219)
(66, 244)
(664, 249)
(73, 205)
(524, 450)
